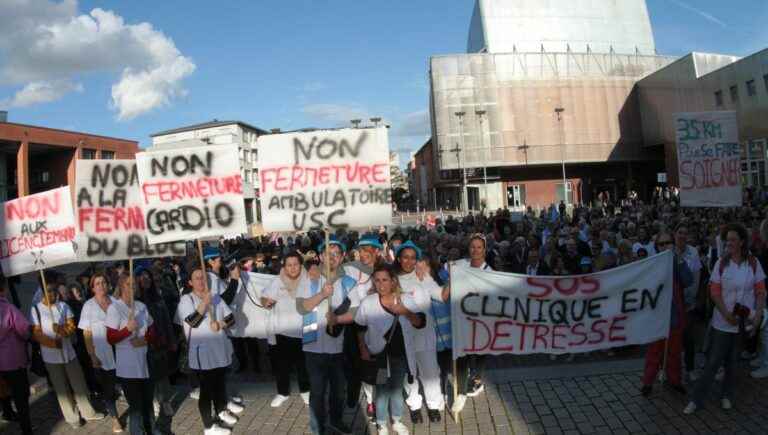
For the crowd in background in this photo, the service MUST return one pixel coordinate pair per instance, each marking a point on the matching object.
(373, 319)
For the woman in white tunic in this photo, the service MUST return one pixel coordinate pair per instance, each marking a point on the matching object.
(92, 320)
(130, 330)
(205, 318)
(286, 323)
(53, 327)
(381, 320)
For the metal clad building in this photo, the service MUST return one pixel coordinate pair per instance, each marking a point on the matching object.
(528, 57)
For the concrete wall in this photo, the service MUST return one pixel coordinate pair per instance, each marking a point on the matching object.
(557, 25)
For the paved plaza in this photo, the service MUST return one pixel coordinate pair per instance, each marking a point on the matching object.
(591, 397)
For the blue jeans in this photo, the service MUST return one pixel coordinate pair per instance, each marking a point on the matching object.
(722, 352)
(325, 370)
(389, 397)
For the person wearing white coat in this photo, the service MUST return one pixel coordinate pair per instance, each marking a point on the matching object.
(417, 287)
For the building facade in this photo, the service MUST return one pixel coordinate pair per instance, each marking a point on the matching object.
(222, 133)
(702, 82)
(34, 159)
(545, 85)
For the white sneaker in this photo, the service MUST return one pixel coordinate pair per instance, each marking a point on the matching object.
(156, 408)
(553, 357)
(235, 408)
(760, 373)
(725, 403)
(399, 428)
(305, 397)
(458, 405)
(720, 374)
(278, 401)
(756, 363)
(195, 394)
(382, 430)
(237, 399)
(227, 417)
(690, 408)
(217, 430)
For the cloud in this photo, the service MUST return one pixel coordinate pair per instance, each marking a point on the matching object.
(337, 114)
(45, 41)
(414, 124)
(41, 92)
(707, 16)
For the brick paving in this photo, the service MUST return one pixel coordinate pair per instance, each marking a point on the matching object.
(560, 404)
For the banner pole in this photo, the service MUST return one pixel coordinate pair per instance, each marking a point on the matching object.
(130, 280)
(328, 264)
(456, 415)
(205, 275)
(50, 311)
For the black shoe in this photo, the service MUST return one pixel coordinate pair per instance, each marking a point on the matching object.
(677, 388)
(416, 417)
(646, 390)
(434, 415)
(340, 427)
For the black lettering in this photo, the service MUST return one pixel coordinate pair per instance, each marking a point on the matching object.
(594, 307)
(84, 196)
(627, 300)
(648, 297)
(463, 304)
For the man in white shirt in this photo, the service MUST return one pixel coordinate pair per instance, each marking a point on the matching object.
(324, 342)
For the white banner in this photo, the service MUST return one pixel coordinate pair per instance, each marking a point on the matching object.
(251, 318)
(191, 193)
(708, 159)
(110, 221)
(498, 313)
(37, 231)
(325, 179)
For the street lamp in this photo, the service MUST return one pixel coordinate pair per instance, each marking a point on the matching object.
(464, 199)
(481, 133)
(356, 122)
(559, 112)
(376, 121)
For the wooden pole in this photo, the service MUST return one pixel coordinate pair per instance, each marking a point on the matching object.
(133, 288)
(50, 311)
(456, 415)
(328, 264)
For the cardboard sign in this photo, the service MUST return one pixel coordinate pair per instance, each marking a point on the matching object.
(36, 232)
(325, 179)
(498, 313)
(191, 193)
(110, 221)
(709, 159)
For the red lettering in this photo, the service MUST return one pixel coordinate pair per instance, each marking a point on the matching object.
(615, 326)
(579, 332)
(364, 171)
(83, 215)
(593, 281)
(498, 332)
(536, 282)
(39, 206)
(539, 334)
(380, 171)
(556, 334)
(596, 329)
(475, 347)
(568, 290)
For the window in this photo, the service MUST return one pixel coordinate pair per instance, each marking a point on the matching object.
(88, 154)
(719, 99)
(247, 176)
(45, 177)
(559, 192)
(751, 88)
(107, 155)
(734, 94)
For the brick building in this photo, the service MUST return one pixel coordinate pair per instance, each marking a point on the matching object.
(34, 159)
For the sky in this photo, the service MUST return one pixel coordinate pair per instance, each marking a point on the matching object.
(132, 68)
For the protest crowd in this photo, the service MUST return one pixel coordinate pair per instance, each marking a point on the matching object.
(367, 314)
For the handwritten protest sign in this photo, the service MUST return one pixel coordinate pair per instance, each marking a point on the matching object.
(325, 179)
(191, 193)
(497, 313)
(37, 231)
(110, 222)
(708, 158)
